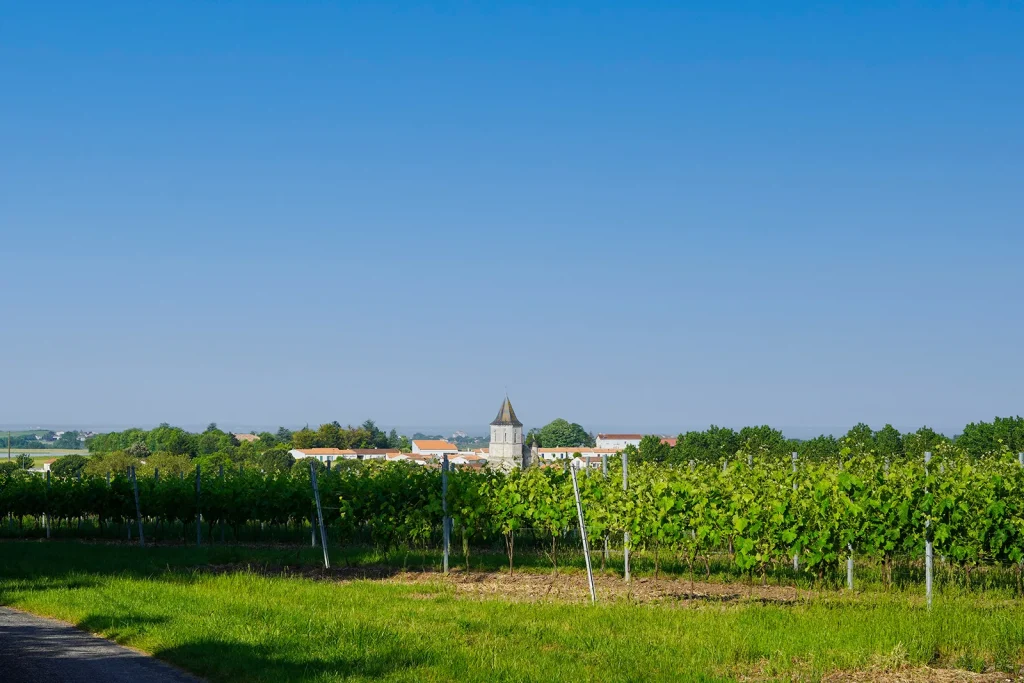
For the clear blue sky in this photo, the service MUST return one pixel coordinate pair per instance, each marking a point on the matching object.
(632, 215)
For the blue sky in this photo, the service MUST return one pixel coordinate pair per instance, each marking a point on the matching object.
(632, 215)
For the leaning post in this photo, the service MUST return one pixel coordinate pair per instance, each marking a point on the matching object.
(583, 535)
(319, 514)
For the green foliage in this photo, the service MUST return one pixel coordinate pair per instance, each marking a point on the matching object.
(652, 449)
(117, 462)
(561, 432)
(68, 466)
(68, 440)
(758, 510)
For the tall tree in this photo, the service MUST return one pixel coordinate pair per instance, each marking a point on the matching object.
(652, 449)
(560, 432)
(889, 443)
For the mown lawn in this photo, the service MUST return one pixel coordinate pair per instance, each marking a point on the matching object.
(243, 626)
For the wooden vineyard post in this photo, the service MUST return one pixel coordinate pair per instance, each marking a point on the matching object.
(156, 475)
(445, 519)
(583, 535)
(927, 540)
(319, 514)
(849, 567)
(625, 535)
(138, 508)
(199, 517)
(604, 470)
(796, 557)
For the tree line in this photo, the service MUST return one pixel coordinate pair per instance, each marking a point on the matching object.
(978, 440)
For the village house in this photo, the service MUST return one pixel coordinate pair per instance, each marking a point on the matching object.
(433, 447)
(618, 441)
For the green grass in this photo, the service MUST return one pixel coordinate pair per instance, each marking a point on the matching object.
(241, 626)
(44, 453)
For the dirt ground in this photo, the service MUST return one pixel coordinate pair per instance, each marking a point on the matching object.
(561, 587)
(916, 675)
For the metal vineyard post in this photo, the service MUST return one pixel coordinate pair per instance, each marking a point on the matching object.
(796, 557)
(604, 471)
(199, 516)
(319, 514)
(445, 520)
(625, 535)
(138, 508)
(583, 536)
(927, 539)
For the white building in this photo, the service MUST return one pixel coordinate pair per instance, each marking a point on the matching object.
(506, 449)
(568, 452)
(433, 447)
(324, 455)
(413, 458)
(618, 441)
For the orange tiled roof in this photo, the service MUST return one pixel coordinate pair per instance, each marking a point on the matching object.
(434, 445)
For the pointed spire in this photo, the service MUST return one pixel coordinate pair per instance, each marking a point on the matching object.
(507, 416)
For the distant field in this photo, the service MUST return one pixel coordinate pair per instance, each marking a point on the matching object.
(44, 452)
(27, 432)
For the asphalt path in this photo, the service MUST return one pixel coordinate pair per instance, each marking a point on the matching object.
(37, 650)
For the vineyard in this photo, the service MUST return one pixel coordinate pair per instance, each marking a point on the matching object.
(755, 516)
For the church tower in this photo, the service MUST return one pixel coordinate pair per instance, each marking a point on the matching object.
(506, 450)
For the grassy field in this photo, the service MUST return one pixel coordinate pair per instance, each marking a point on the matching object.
(45, 452)
(202, 609)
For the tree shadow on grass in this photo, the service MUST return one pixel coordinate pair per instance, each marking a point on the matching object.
(230, 661)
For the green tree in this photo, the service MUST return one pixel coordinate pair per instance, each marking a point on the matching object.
(23, 461)
(860, 439)
(68, 466)
(561, 432)
(819, 449)
(138, 449)
(68, 440)
(275, 460)
(652, 449)
(889, 443)
(712, 445)
(924, 439)
(116, 462)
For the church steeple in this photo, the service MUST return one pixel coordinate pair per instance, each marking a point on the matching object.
(506, 448)
(507, 416)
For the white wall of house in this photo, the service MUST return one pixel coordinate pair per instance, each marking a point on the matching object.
(618, 441)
